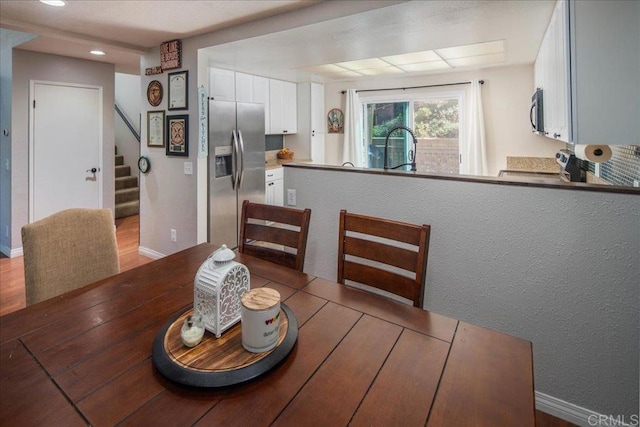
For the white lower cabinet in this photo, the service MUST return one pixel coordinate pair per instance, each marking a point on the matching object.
(274, 187)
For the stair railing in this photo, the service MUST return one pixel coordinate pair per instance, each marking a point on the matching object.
(127, 122)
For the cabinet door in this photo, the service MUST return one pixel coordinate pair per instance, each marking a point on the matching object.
(318, 122)
(559, 74)
(276, 103)
(278, 192)
(269, 193)
(261, 96)
(222, 84)
(244, 87)
(317, 147)
(290, 107)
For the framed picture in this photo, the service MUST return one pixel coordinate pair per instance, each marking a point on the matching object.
(154, 93)
(178, 135)
(335, 121)
(155, 128)
(178, 93)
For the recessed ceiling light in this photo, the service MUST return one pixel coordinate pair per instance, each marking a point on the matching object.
(97, 52)
(53, 2)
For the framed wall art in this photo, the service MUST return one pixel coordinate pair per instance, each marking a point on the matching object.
(335, 121)
(155, 128)
(154, 93)
(178, 90)
(178, 135)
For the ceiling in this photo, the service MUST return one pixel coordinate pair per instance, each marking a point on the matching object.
(126, 29)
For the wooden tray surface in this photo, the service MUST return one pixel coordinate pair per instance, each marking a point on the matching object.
(218, 362)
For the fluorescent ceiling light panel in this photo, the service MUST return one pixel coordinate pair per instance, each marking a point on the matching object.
(425, 66)
(57, 3)
(471, 50)
(363, 64)
(381, 71)
(327, 68)
(495, 58)
(412, 58)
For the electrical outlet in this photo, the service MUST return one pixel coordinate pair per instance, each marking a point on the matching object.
(6, 231)
(291, 197)
(174, 236)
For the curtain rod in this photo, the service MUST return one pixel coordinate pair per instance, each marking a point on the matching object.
(413, 87)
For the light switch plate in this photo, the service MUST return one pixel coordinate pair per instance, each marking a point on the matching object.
(188, 168)
(291, 197)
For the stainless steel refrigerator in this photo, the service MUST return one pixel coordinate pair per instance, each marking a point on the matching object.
(236, 165)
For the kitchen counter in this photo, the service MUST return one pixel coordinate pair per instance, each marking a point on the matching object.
(540, 182)
(278, 163)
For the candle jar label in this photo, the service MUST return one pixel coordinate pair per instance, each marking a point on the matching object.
(260, 319)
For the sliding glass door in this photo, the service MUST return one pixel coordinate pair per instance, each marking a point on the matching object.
(435, 120)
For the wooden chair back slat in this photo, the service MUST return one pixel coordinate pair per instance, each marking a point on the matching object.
(381, 279)
(385, 254)
(259, 239)
(375, 251)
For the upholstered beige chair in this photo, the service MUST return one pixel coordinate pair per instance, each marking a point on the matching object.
(68, 250)
(371, 251)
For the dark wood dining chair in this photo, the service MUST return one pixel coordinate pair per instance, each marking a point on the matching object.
(68, 250)
(275, 233)
(384, 254)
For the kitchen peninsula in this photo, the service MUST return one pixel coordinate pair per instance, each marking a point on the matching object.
(553, 263)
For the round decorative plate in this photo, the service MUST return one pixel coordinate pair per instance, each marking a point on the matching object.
(154, 93)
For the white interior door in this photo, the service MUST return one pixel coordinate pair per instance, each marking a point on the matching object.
(66, 144)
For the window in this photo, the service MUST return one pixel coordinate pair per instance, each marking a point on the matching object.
(434, 117)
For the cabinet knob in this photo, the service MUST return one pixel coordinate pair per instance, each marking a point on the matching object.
(556, 135)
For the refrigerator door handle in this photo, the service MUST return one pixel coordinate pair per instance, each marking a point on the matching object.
(241, 174)
(234, 161)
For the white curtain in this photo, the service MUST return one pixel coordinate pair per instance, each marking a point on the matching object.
(473, 149)
(353, 150)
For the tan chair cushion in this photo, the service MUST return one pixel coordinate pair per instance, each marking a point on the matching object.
(67, 250)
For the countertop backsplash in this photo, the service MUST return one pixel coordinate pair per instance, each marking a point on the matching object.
(623, 167)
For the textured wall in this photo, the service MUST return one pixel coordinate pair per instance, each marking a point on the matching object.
(557, 267)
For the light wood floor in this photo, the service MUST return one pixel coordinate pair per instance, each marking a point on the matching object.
(12, 296)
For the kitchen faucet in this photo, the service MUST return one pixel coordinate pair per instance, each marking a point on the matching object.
(412, 153)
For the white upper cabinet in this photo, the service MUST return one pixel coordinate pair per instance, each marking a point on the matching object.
(309, 142)
(283, 107)
(255, 89)
(588, 67)
(222, 84)
(551, 75)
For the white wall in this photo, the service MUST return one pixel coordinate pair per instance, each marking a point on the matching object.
(28, 66)
(8, 39)
(557, 267)
(127, 96)
(506, 97)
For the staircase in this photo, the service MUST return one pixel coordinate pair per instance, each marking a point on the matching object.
(127, 191)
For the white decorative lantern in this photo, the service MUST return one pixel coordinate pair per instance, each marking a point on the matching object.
(217, 290)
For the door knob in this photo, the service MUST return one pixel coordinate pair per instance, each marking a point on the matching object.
(92, 170)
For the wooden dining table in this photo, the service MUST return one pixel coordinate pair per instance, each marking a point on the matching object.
(85, 358)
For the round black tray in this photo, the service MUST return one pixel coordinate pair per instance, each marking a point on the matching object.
(187, 375)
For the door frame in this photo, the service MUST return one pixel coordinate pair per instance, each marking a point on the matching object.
(31, 161)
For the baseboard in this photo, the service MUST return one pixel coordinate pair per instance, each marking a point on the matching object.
(11, 253)
(578, 415)
(150, 253)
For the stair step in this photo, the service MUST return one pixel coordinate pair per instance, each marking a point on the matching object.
(123, 171)
(124, 210)
(127, 195)
(126, 182)
(119, 160)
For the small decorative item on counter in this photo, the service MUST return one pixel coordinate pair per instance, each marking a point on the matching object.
(285, 154)
(219, 284)
(192, 330)
(260, 319)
